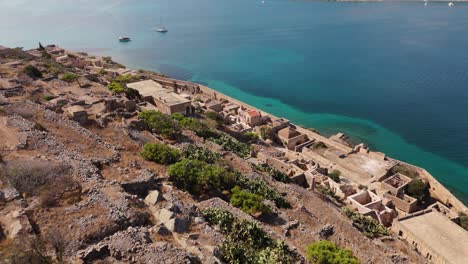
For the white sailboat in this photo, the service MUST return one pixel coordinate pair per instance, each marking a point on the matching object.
(161, 29)
(450, 4)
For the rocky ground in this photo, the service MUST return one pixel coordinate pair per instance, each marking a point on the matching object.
(78, 191)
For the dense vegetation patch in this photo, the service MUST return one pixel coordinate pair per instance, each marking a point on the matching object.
(319, 145)
(118, 84)
(198, 177)
(70, 77)
(200, 153)
(248, 202)
(405, 170)
(274, 173)
(326, 252)
(418, 189)
(251, 136)
(335, 175)
(160, 123)
(266, 132)
(228, 143)
(464, 221)
(48, 97)
(258, 186)
(367, 225)
(169, 126)
(246, 242)
(160, 153)
(215, 116)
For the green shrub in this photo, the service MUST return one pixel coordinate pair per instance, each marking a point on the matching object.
(246, 242)
(127, 78)
(160, 123)
(248, 202)
(198, 177)
(366, 224)
(216, 117)
(230, 144)
(265, 132)
(70, 77)
(405, 170)
(208, 134)
(464, 221)
(48, 97)
(335, 175)
(319, 145)
(326, 252)
(200, 153)
(32, 71)
(102, 72)
(251, 136)
(223, 219)
(418, 189)
(258, 186)
(116, 87)
(188, 122)
(275, 174)
(118, 84)
(160, 153)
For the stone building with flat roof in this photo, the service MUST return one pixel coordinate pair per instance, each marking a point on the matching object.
(434, 236)
(167, 101)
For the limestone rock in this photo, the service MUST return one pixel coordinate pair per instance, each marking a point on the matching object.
(164, 215)
(153, 197)
(179, 225)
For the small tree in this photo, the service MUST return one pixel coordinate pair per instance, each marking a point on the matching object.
(335, 175)
(32, 71)
(41, 47)
(70, 77)
(216, 117)
(265, 132)
(116, 87)
(252, 136)
(326, 252)
(160, 153)
(161, 124)
(418, 189)
(464, 221)
(248, 202)
(198, 177)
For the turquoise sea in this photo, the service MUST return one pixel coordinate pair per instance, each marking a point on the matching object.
(393, 75)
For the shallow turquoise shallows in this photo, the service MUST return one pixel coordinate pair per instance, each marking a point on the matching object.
(393, 75)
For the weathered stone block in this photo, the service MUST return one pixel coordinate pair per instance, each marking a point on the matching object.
(179, 225)
(164, 215)
(153, 197)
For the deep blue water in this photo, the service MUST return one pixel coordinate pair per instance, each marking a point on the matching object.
(393, 75)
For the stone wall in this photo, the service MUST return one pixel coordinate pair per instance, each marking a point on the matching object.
(407, 205)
